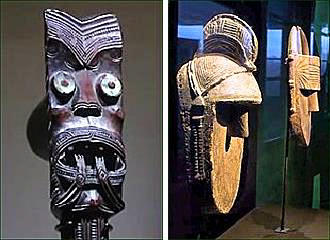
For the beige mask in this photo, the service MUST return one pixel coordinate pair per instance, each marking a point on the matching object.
(215, 89)
(304, 82)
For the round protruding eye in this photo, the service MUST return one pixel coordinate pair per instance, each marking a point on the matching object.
(63, 83)
(110, 85)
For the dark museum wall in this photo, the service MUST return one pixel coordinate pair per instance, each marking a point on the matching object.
(24, 177)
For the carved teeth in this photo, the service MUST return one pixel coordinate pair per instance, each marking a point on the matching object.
(117, 162)
(99, 161)
(80, 163)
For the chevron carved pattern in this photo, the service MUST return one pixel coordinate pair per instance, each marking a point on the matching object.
(84, 38)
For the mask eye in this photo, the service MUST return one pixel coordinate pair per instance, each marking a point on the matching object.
(63, 85)
(110, 88)
(53, 48)
(110, 85)
(94, 64)
(116, 54)
(71, 61)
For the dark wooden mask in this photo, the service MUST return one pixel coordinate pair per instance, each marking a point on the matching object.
(85, 110)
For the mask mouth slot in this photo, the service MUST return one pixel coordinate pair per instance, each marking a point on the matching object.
(306, 93)
(233, 116)
(228, 140)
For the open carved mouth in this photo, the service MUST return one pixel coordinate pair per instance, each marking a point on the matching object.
(78, 151)
(92, 155)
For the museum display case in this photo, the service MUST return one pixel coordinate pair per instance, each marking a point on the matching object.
(275, 133)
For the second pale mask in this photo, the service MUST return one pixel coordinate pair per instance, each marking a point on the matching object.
(304, 82)
(215, 89)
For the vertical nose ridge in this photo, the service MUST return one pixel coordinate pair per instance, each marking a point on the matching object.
(85, 79)
(87, 104)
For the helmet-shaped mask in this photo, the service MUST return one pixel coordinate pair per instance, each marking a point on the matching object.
(215, 90)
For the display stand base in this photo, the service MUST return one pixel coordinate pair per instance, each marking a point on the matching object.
(85, 229)
(282, 230)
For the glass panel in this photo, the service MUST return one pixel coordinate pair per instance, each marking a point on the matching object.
(273, 68)
(324, 49)
(311, 43)
(274, 43)
(199, 12)
(194, 32)
(324, 43)
(273, 88)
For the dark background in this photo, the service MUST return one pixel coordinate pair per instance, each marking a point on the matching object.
(262, 167)
(24, 177)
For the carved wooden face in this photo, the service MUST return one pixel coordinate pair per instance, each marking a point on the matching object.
(84, 88)
(84, 96)
(304, 83)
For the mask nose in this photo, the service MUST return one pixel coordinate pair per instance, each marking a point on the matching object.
(87, 105)
(84, 109)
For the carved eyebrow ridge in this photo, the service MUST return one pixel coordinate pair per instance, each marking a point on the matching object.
(84, 38)
(80, 27)
(59, 14)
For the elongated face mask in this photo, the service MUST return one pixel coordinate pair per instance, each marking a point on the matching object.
(84, 89)
(215, 90)
(304, 82)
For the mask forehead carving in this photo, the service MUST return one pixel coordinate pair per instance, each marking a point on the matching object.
(85, 109)
(84, 38)
(215, 90)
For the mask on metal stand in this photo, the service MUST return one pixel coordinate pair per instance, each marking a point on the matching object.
(304, 82)
(215, 90)
(85, 116)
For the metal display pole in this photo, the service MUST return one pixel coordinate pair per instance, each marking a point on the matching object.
(282, 228)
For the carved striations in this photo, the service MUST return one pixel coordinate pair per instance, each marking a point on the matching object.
(304, 82)
(84, 38)
(85, 109)
(215, 88)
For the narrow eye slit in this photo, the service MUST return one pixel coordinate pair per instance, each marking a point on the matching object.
(116, 54)
(95, 61)
(53, 48)
(94, 64)
(71, 61)
(63, 85)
